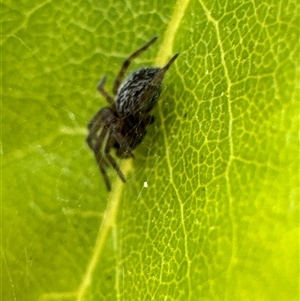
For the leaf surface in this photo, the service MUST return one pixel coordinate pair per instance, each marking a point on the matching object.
(210, 207)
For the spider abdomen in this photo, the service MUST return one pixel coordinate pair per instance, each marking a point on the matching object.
(130, 98)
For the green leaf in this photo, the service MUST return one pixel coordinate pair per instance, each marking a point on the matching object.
(210, 207)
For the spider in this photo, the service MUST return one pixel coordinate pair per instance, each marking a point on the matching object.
(122, 124)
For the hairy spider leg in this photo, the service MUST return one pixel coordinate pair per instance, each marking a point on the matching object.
(127, 62)
(102, 164)
(94, 125)
(157, 78)
(102, 167)
(104, 93)
(109, 144)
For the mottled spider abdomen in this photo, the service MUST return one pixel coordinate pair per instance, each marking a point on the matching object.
(129, 99)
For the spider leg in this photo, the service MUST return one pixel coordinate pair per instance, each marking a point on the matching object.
(104, 93)
(127, 62)
(102, 164)
(93, 140)
(103, 118)
(93, 127)
(111, 160)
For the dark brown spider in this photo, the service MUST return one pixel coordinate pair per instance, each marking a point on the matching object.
(122, 124)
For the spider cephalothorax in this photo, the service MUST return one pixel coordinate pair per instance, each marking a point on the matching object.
(122, 125)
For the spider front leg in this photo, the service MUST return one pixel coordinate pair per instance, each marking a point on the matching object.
(102, 167)
(102, 164)
(104, 93)
(110, 143)
(101, 122)
(102, 117)
(96, 148)
(94, 125)
(127, 62)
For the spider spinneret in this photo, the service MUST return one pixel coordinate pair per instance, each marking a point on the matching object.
(122, 124)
